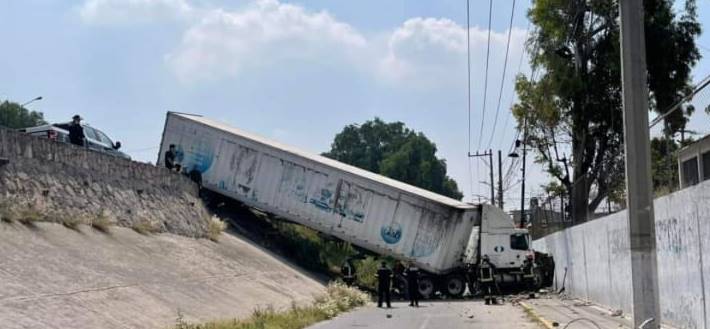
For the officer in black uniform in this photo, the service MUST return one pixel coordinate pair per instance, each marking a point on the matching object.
(170, 157)
(76, 131)
(528, 270)
(412, 274)
(486, 278)
(384, 280)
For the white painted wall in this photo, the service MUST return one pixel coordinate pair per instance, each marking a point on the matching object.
(596, 256)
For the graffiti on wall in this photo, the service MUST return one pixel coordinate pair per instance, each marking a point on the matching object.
(352, 201)
(430, 231)
(293, 182)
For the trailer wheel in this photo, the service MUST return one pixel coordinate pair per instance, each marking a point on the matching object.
(455, 285)
(426, 287)
(400, 286)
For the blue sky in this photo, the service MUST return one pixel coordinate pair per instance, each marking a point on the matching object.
(294, 71)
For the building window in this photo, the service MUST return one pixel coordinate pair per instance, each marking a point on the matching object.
(690, 172)
(706, 165)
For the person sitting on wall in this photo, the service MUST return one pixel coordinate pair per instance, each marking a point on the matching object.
(170, 157)
(76, 131)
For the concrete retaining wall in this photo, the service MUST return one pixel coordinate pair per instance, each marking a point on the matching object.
(597, 258)
(58, 180)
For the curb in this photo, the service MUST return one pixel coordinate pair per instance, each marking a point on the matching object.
(539, 319)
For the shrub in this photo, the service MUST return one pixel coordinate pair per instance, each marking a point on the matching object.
(7, 214)
(215, 227)
(366, 271)
(72, 222)
(144, 226)
(28, 216)
(102, 223)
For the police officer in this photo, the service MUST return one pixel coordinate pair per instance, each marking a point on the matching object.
(486, 278)
(528, 270)
(348, 272)
(76, 131)
(170, 157)
(384, 280)
(412, 274)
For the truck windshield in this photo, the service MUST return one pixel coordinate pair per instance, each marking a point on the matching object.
(519, 241)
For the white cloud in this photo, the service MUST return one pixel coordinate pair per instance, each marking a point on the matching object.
(127, 12)
(433, 50)
(223, 43)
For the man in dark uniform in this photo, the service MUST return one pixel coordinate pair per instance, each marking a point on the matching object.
(412, 274)
(486, 278)
(170, 156)
(528, 270)
(384, 279)
(76, 131)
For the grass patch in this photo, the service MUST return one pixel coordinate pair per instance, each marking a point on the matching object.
(7, 215)
(337, 299)
(215, 227)
(29, 216)
(71, 222)
(102, 223)
(144, 227)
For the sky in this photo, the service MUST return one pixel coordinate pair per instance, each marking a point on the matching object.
(294, 71)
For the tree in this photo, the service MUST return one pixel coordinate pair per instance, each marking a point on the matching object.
(13, 115)
(395, 151)
(575, 105)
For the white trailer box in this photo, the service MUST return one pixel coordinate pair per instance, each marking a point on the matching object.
(368, 210)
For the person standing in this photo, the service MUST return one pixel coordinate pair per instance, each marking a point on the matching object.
(528, 270)
(412, 274)
(348, 272)
(486, 278)
(170, 157)
(384, 280)
(76, 132)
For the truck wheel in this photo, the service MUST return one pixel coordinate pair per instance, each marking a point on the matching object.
(455, 286)
(426, 287)
(400, 286)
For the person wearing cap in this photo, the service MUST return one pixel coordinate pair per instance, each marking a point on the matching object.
(486, 278)
(76, 132)
(384, 280)
(170, 157)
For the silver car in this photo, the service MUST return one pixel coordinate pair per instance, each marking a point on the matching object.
(95, 139)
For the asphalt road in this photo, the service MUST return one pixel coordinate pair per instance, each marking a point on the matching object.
(438, 314)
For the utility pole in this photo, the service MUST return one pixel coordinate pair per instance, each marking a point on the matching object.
(489, 154)
(642, 230)
(522, 184)
(500, 181)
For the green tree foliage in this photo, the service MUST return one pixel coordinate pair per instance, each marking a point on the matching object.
(575, 104)
(395, 151)
(12, 115)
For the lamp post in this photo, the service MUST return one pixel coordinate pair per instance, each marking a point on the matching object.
(38, 98)
(514, 154)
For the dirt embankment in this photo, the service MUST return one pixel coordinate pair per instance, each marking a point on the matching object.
(54, 277)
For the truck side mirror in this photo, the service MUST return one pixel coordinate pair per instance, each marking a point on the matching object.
(117, 145)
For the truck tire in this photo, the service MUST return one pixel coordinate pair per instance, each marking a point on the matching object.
(426, 287)
(454, 285)
(400, 287)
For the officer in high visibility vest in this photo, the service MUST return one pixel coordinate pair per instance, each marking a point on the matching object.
(348, 272)
(528, 270)
(486, 278)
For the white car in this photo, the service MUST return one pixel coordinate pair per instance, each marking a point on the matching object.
(95, 139)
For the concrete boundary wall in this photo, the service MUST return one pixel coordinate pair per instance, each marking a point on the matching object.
(60, 180)
(597, 259)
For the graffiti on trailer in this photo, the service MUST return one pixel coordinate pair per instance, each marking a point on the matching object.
(391, 233)
(322, 201)
(429, 234)
(352, 202)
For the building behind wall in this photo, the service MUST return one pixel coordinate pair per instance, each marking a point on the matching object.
(694, 162)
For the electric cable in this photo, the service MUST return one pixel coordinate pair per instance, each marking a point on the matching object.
(502, 80)
(485, 80)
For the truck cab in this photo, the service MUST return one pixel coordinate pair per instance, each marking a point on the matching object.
(506, 246)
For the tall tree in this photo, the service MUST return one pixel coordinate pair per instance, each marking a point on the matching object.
(395, 151)
(575, 105)
(13, 115)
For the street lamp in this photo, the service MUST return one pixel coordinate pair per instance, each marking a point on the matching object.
(33, 100)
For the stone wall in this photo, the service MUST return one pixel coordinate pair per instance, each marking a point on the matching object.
(57, 180)
(597, 258)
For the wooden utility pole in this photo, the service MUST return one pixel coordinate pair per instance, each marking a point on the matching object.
(642, 229)
(489, 154)
(522, 184)
(500, 180)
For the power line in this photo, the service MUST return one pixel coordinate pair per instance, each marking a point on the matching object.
(502, 80)
(468, 89)
(520, 66)
(485, 83)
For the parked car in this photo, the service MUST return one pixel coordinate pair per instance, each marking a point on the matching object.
(96, 139)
